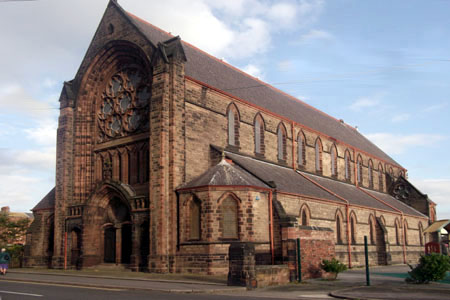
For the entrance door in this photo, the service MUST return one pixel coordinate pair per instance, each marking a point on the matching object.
(110, 245)
(126, 243)
(381, 244)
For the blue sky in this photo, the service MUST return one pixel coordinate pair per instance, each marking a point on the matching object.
(383, 66)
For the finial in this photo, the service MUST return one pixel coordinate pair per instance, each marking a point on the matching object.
(223, 155)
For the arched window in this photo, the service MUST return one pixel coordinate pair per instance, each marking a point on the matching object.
(281, 134)
(397, 232)
(304, 215)
(259, 134)
(421, 234)
(359, 169)
(339, 218)
(194, 219)
(380, 177)
(301, 151)
(229, 214)
(333, 154)
(405, 232)
(348, 173)
(353, 228)
(372, 229)
(233, 125)
(318, 148)
(370, 173)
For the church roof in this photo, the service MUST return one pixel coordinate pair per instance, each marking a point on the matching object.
(47, 202)
(211, 71)
(290, 181)
(225, 174)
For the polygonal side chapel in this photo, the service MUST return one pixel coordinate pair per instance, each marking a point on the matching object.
(167, 155)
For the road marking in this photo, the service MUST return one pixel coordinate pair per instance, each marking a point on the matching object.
(67, 285)
(23, 294)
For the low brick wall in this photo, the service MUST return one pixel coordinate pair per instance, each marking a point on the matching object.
(316, 245)
(272, 275)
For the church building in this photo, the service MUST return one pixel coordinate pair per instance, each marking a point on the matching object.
(167, 155)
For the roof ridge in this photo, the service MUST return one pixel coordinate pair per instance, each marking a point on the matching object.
(241, 71)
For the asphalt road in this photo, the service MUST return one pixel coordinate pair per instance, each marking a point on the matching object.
(27, 291)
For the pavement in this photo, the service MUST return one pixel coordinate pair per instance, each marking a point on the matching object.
(349, 285)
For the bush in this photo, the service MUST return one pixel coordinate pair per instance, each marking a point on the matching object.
(431, 267)
(333, 266)
(16, 253)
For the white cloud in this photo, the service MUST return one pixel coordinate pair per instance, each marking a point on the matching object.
(14, 98)
(253, 70)
(401, 118)
(438, 191)
(398, 143)
(363, 103)
(44, 133)
(315, 34)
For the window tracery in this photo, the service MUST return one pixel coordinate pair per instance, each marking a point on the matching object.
(124, 105)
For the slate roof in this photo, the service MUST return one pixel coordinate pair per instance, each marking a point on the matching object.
(290, 181)
(225, 174)
(218, 74)
(396, 203)
(47, 202)
(286, 179)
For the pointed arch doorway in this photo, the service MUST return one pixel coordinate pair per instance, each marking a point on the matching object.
(117, 232)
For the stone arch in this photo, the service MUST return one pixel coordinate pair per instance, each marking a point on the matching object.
(229, 216)
(301, 149)
(233, 117)
(380, 177)
(359, 169)
(282, 142)
(339, 217)
(405, 232)
(353, 230)
(305, 215)
(109, 218)
(347, 161)
(372, 229)
(370, 172)
(333, 159)
(259, 129)
(318, 155)
(111, 58)
(397, 231)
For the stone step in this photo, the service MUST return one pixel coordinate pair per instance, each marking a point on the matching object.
(111, 267)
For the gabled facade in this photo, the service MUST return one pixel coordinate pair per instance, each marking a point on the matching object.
(166, 155)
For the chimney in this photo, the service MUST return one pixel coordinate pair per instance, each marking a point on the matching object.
(5, 209)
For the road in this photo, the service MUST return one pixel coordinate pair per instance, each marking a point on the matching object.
(26, 291)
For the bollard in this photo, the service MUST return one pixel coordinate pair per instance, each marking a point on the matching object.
(366, 252)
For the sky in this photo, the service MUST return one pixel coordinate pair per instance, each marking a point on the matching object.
(380, 65)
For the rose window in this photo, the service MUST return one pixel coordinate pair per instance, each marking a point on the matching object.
(124, 105)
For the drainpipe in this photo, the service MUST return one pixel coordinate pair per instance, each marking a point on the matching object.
(401, 214)
(347, 208)
(65, 250)
(271, 227)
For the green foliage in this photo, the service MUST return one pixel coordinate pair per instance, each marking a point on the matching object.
(16, 253)
(333, 266)
(11, 230)
(431, 267)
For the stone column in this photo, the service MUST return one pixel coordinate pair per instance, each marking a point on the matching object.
(118, 244)
(136, 246)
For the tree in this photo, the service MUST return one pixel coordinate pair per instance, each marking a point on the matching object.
(11, 230)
